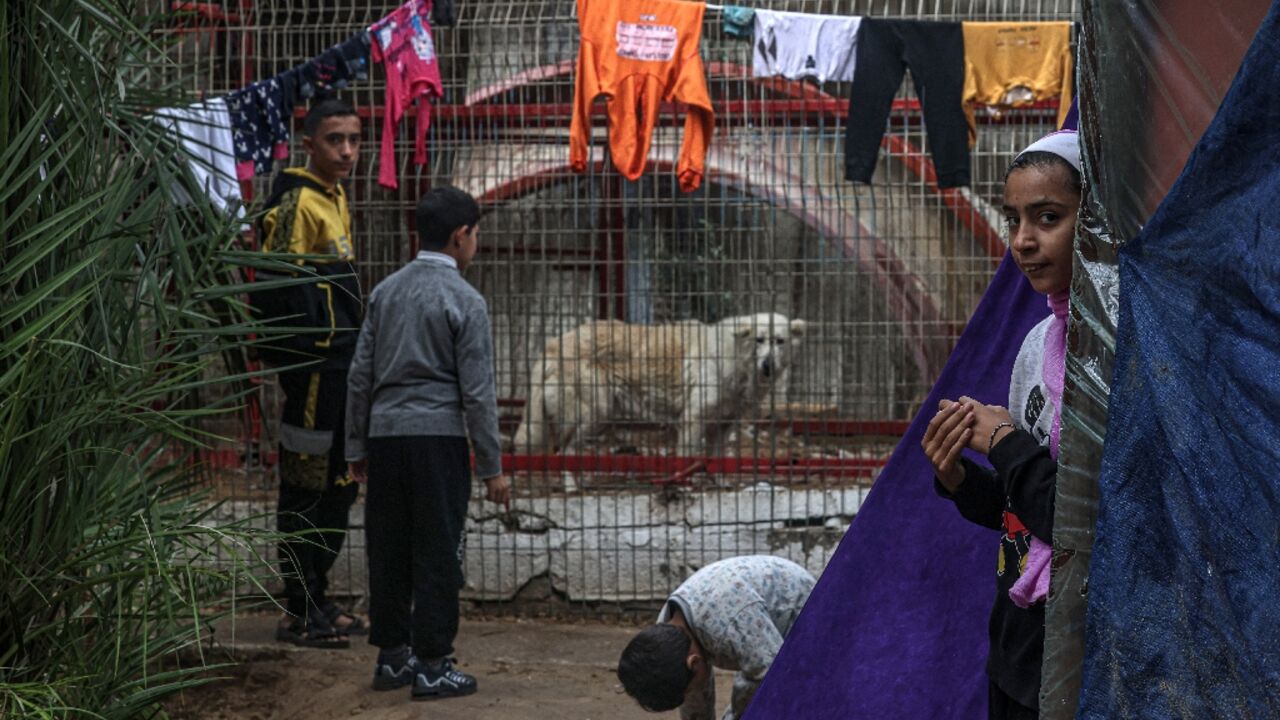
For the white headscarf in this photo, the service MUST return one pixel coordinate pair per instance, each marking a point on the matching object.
(1064, 143)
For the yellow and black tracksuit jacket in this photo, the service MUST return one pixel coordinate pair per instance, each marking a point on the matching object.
(304, 216)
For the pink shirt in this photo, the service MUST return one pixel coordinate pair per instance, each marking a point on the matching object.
(402, 42)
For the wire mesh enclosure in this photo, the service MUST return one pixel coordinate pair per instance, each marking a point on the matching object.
(681, 376)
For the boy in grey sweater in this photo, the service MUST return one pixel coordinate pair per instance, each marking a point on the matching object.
(421, 383)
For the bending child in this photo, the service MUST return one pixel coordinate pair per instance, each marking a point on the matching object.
(731, 614)
(1041, 199)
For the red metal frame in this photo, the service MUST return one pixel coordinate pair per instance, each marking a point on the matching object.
(613, 250)
(833, 427)
(205, 18)
(652, 469)
(800, 100)
(209, 11)
(675, 470)
(805, 100)
(730, 113)
(891, 272)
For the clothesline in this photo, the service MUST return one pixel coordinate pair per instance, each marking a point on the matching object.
(259, 116)
(234, 138)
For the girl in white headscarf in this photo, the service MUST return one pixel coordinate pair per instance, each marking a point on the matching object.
(1041, 199)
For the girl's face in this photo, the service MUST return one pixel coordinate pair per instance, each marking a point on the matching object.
(1040, 210)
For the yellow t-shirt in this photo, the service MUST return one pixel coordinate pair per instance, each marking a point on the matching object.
(309, 221)
(1011, 64)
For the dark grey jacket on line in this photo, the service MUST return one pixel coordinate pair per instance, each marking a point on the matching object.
(424, 364)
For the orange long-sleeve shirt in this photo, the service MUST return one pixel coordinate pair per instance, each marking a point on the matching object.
(639, 54)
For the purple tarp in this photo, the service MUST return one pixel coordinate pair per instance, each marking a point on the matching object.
(897, 625)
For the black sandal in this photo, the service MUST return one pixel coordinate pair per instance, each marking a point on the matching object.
(333, 611)
(316, 634)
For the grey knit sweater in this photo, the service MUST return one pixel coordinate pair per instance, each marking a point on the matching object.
(424, 364)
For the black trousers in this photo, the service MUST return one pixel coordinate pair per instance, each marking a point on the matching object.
(1000, 706)
(934, 51)
(415, 518)
(316, 492)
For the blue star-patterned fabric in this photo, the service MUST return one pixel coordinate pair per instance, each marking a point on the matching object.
(260, 116)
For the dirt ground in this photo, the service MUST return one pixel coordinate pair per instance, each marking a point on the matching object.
(524, 668)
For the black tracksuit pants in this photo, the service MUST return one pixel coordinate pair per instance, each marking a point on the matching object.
(415, 516)
(935, 53)
(316, 492)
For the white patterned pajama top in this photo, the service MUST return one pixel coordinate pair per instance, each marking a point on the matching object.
(739, 609)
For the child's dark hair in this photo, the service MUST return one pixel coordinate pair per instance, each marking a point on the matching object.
(653, 668)
(441, 211)
(323, 110)
(1045, 160)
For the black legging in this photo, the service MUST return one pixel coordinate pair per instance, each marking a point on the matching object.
(934, 51)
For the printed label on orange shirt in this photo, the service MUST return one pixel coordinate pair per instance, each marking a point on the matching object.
(656, 43)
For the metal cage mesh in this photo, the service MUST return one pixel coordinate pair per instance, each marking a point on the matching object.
(884, 277)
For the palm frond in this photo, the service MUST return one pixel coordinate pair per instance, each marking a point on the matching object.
(119, 307)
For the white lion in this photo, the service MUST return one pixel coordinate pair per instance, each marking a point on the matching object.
(702, 379)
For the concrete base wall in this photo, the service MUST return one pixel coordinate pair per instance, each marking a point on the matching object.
(618, 547)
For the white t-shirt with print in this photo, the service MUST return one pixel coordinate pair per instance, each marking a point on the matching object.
(801, 45)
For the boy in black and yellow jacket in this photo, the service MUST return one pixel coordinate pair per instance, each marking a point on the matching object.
(307, 215)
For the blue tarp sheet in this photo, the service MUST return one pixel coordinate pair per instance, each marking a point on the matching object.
(1184, 587)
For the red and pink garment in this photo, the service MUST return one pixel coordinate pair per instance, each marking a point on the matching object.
(403, 44)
